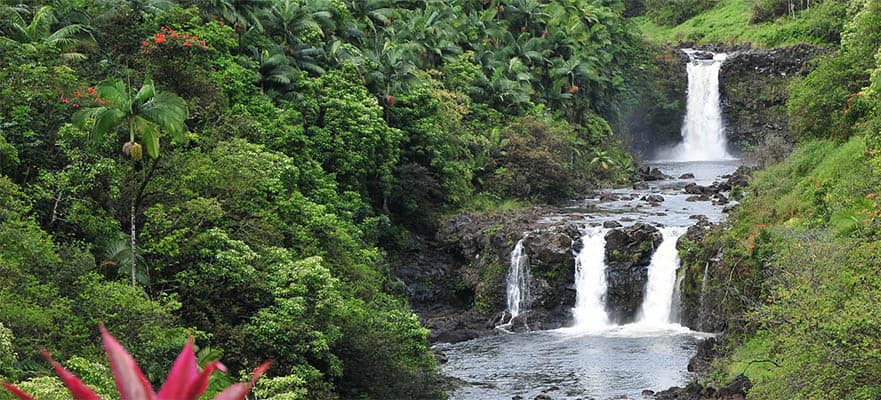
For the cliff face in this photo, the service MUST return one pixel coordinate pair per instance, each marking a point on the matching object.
(753, 85)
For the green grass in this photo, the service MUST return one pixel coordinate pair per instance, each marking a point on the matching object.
(728, 23)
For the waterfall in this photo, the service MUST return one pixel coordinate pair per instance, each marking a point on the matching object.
(590, 282)
(657, 305)
(701, 308)
(518, 281)
(703, 133)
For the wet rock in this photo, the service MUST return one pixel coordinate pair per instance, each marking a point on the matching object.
(702, 55)
(720, 199)
(653, 198)
(607, 197)
(702, 197)
(640, 186)
(729, 208)
(686, 176)
(694, 188)
(543, 397)
(707, 351)
(611, 224)
(696, 232)
(517, 397)
(628, 254)
(652, 174)
(648, 393)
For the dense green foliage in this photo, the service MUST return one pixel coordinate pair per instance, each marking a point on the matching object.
(237, 171)
(735, 21)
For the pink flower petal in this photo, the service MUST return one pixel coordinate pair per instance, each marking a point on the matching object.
(183, 372)
(77, 388)
(198, 386)
(240, 390)
(130, 381)
(16, 391)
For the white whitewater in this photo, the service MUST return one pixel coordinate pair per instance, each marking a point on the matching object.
(657, 305)
(590, 282)
(703, 132)
(518, 281)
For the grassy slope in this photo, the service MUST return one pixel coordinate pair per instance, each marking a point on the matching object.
(728, 22)
(808, 228)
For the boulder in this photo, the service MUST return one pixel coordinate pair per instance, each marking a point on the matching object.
(653, 198)
(686, 176)
(628, 253)
(611, 224)
(652, 174)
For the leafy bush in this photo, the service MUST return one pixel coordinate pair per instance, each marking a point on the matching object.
(675, 12)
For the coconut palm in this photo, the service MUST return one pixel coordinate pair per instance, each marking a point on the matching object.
(39, 31)
(145, 115)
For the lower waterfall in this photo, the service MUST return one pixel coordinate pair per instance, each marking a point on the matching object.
(518, 281)
(590, 282)
(657, 305)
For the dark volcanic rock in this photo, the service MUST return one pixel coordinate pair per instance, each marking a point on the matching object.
(653, 198)
(611, 224)
(707, 351)
(628, 254)
(652, 174)
(686, 176)
(753, 86)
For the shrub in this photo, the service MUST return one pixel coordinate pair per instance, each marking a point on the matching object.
(675, 12)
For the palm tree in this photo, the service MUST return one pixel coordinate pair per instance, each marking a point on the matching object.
(39, 32)
(146, 115)
(276, 74)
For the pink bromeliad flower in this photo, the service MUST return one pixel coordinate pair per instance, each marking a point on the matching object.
(184, 381)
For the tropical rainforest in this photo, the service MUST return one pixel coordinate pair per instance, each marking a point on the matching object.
(241, 171)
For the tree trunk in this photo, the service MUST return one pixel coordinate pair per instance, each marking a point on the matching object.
(134, 243)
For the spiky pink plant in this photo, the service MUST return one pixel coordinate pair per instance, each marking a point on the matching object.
(184, 381)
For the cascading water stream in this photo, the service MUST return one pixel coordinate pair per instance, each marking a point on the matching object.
(590, 282)
(657, 306)
(702, 307)
(703, 132)
(518, 281)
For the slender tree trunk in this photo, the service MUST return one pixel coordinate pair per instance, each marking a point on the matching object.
(134, 242)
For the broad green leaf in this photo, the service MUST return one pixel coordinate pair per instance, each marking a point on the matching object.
(148, 90)
(106, 121)
(149, 134)
(168, 111)
(116, 93)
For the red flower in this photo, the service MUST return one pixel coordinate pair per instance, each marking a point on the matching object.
(187, 44)
(159, 38)
(76, 105)
(184, 381)
(145, 43)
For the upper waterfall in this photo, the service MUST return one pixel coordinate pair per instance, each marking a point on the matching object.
(703, 132)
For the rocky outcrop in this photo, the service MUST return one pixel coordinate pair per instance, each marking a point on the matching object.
(753, 85)
(457, 283)
(736, 390)
(628, 254)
